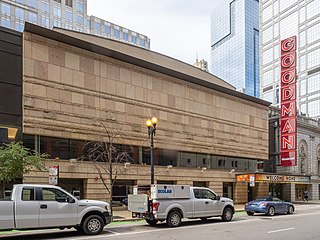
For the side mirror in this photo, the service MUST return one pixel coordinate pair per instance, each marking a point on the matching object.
(70, 200)
(217, 198)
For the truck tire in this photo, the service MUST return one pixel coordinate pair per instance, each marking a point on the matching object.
(227, 214)
(93, 225)
(151, 222)
(174, 219)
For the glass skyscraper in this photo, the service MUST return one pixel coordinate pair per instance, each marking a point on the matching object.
(280, 20)
(69, 14)
(235, 44)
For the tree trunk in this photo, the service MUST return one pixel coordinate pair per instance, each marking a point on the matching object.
(2, 189)
(111, 186)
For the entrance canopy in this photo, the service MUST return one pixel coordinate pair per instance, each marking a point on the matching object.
(272, 178)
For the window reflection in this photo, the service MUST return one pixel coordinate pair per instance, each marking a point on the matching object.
(66, 149)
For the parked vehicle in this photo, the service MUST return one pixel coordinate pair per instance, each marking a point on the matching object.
(171, 203)
(46, 206)
(269, 205)
(124, 201)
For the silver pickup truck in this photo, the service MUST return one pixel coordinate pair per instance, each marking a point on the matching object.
(46, 206)
(171, 203)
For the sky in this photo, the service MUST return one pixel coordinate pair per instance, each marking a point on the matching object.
(176, 28)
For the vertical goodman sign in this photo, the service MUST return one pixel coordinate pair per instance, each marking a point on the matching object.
(288, 117)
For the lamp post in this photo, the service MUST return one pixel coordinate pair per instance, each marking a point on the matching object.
(152, 124)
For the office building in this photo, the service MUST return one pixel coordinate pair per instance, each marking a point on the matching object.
(235, 44)
(290, 79)
(68, 14)
(281, 20)
(71, 80)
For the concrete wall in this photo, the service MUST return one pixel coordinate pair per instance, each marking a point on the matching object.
(67, 89)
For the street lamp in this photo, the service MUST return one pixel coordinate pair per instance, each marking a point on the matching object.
(152, 124)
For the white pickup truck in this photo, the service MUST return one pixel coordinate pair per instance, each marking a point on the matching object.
(45, 206)
(171, 203)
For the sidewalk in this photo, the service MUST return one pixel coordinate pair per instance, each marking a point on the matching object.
(121, 214)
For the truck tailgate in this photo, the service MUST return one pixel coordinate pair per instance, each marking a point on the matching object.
(138, 203)
(6, 215)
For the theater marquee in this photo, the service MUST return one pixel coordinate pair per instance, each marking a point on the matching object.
(288, 117)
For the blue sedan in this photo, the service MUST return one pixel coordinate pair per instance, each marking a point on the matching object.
(268, 205)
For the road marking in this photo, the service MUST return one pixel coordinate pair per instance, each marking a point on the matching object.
(156, 230)
(281, 230)
(113, 232)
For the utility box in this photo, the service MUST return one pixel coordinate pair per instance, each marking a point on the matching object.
(138, 203)
(161, 191)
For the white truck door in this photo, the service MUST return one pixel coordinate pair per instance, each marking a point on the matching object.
(198, 203)
(55, 210)
(27, 208)
(212, 206)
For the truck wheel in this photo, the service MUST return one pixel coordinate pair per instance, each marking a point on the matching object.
(151, 222)
(174, 219)
(227, 214)
(93, 225)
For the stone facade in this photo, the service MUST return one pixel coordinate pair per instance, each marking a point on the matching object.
(68, 89)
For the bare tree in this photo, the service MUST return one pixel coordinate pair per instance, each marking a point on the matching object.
(107, 156)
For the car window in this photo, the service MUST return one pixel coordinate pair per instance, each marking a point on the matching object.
(277, 199)
(52, 194)
(196, 193)
(206, 194)
(27, 194)
(262, 199)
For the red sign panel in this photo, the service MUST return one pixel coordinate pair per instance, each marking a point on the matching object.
(288, 115)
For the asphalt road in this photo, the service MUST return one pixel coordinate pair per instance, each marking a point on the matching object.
(302, 225)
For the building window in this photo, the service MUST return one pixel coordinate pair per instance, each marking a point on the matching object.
(19, 13)
(267, 56)
(267, 78)
(33, 3)
(80, 20)
(221, 163)
(313, 9)
(57, 12)
(134, 40)
(107, 29)
(19, 26)
(125, 36)
(116, 33)
(5, 22)
(80, 7)
(142, 42)
(314, 59)
(45, 21)
(69, 3)
(97, 26)
(5, 9)
(69, 16)
(267, 13)
(57, 23)
(45, 7)
(33, 17)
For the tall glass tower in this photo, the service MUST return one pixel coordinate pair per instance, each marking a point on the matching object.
(235, 44)
(69, 14)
